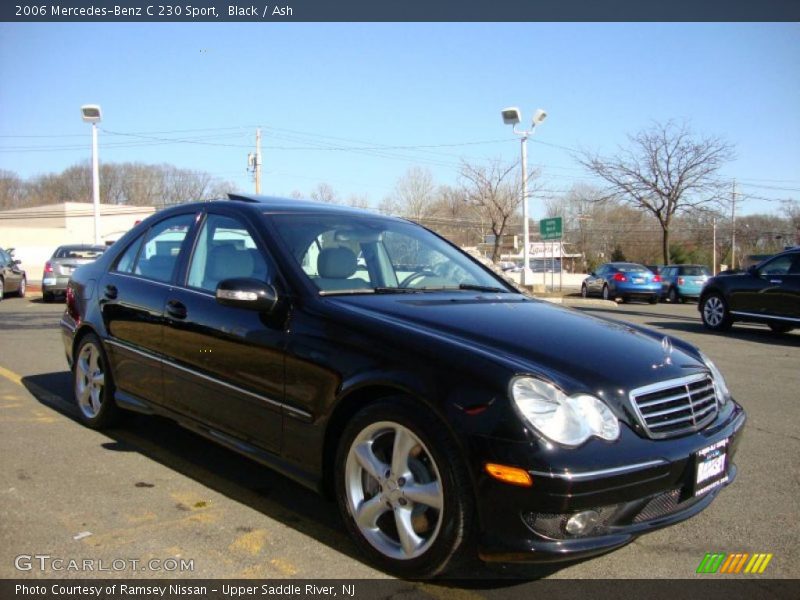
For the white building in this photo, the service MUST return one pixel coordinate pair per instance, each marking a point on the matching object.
(35, 232)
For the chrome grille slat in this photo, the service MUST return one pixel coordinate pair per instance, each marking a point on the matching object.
(677, 406)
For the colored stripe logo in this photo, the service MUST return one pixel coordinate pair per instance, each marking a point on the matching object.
(735, 563)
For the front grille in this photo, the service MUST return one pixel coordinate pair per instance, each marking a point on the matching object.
(675, 407)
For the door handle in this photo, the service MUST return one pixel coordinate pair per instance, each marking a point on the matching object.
(176, 309)
(111, 292)
(778, 281)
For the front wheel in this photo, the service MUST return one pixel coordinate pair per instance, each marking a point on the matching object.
(714, 312)
(605, 292)
(93, 385)
(584, 291)
(403, 490)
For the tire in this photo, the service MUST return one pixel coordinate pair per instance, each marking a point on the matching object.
(93, 385)
(23, 284)
(584, 291)
(48, 297)
(2, 289)
(780, 327)
(673, 296)
(374, 476)
(605, 293)
(714, 312)
(653, 299)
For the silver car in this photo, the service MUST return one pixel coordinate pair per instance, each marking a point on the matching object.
(64, 261)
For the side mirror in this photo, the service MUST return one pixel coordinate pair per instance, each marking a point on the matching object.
(593, 274)
(247, 293)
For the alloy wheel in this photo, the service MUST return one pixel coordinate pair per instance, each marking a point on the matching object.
(89, 381)
(394, 490)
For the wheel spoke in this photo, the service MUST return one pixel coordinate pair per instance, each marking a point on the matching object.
(404, 442)
(409, 540)
(98, 379)
(369, 462)
(84, 393)
(93, 355)
(368, 512)
(83, 366)
(429, 494)
(95, 396)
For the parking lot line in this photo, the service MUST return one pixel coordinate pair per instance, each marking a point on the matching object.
(11, 376)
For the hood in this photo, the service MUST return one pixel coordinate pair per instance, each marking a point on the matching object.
(579, 352)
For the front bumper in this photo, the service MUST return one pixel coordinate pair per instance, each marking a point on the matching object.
(650, 489)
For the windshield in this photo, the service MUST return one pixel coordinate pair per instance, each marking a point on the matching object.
(363, 254)
(695, 271)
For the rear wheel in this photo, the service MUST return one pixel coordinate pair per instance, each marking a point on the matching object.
(673, 296)
(605, 292)
(93, 385)
(48, 297)
(584, 291)
(402, 489)
(714, 312)
(780, 327)
(2, 289)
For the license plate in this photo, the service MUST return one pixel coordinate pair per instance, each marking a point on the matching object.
(638, 280)
(711, 469)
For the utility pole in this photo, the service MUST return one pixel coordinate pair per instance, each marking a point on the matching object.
(733, 227)
(254, 161)
(714, 247)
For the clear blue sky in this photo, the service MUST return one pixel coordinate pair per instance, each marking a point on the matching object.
(393, 84)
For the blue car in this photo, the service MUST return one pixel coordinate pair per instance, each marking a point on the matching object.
(623, 280)
(683, 282)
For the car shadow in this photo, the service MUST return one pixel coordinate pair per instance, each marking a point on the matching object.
(247, 482)
(754, 333)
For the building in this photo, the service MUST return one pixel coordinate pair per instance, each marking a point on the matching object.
(35, 232)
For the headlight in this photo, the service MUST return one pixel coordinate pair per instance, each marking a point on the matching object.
(567, 420)
(720, 386)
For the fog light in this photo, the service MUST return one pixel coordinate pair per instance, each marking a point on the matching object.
(582, 522)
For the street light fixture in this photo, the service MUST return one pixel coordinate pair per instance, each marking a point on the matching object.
(512, 116)
(90, 113)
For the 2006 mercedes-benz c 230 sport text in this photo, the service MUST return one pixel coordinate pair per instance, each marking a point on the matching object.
(370, 359)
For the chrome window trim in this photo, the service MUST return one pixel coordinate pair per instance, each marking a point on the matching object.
(169, 285)
(601, 472)
(696, 425)
(297, 412)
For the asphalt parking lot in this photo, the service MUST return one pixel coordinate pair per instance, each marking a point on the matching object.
(153, 491)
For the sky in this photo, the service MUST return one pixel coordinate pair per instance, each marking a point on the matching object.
(356, 105)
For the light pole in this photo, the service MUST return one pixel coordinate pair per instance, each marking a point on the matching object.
(512, 116)
(90, 113)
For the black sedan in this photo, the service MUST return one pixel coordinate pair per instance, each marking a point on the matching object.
(767, 293)
(372, 360)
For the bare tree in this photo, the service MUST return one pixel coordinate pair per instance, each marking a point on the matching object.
(495, 194)
(325, 193)
(358, 201)
(12, 190)
(414, 193)
(665, 170)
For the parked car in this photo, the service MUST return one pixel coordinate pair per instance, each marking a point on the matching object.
(12, 277)
(440, 408)
(767, 293)
(655, 268)
(683, 282)
(622, 280)
(64, 261)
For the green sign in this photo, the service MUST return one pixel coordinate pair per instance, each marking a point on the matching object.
(550, 229)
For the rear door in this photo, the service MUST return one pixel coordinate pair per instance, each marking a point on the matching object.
(133, 293)
(225, 364)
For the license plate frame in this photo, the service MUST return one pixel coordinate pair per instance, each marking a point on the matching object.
(710, 467)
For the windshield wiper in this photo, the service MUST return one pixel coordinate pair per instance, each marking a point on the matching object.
(481, 288)
(398, 290)
(346, 292)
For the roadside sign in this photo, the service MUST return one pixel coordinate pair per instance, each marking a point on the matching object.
(550, 229)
